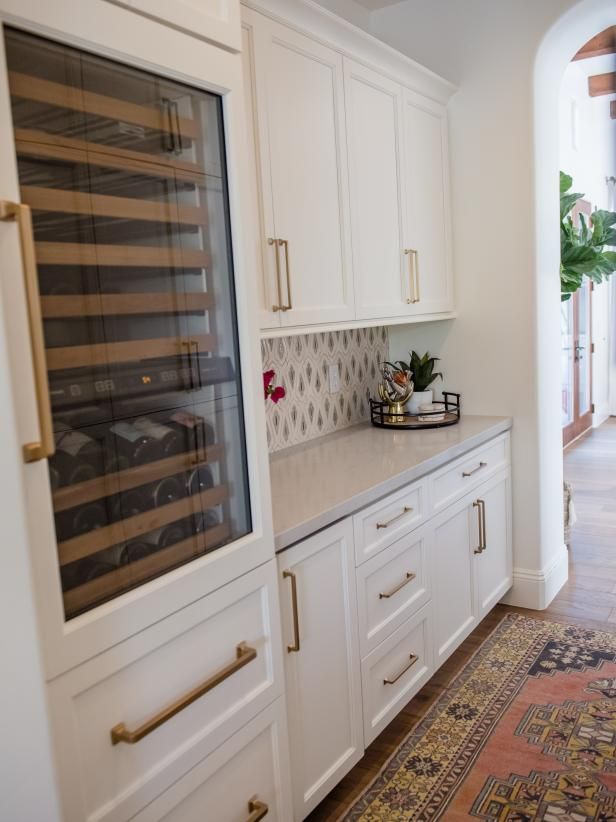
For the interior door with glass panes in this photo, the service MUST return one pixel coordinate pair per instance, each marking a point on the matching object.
(125, 174)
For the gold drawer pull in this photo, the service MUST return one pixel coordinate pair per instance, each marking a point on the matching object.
(413, 659)
(21, 214)
(406, 510)
(409, 577)
(258, 810)
(120, 733)
(480, 505)
(296, 644)
(474, 471)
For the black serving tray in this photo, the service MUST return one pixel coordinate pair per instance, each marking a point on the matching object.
(449, 406)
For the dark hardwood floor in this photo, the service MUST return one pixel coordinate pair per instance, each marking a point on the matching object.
(588, 598)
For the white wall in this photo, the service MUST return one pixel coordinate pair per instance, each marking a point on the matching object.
(588, 153)
(497, 352)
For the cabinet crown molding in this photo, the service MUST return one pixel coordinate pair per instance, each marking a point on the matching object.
(312, 19)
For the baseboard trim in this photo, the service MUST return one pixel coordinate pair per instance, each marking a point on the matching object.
(536, 589)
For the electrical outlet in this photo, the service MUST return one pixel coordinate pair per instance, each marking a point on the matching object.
(333, 376)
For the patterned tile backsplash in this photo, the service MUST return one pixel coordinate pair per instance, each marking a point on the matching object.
(301, 364)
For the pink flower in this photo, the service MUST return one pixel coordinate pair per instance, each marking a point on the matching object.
(268, 377)
(278, 393)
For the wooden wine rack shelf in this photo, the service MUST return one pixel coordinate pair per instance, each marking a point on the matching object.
(105, 486)
(118, 532)
(95, 305)
(27, 87)
(129, 576)
(120, 255)
(82, 356)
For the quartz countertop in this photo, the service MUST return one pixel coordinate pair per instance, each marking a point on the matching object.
(330, 477)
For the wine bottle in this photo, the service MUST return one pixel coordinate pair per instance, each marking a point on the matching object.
(205, 520)
(165, 491)
(82, 571)
(78, 457)
(130, 442)
(195, 432)
(136, 550)
(128, 504)
(199, 480)
(80, 520)
(169, 439)
(167, 535)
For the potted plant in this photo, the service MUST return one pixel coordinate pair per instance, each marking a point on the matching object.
(422, 369)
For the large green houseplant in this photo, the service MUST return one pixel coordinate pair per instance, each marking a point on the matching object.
(423, 375)
(582, 247)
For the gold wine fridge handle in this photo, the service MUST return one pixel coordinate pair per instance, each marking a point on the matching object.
(120, 733)
(257, 809)
(21, 214)
(289, 305)
(408, 578)
(273, 241)
(480, 505)
(296, 643)
(392, 681)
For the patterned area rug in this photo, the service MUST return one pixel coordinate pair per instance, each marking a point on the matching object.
(526, 731)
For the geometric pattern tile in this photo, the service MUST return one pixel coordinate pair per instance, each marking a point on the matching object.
(301, 364)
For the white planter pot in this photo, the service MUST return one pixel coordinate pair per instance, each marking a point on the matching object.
(418, 399)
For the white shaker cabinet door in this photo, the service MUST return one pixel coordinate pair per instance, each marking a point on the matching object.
(320, 636)
(428, 228)
(493, 563)
(301, 132)
(374, 137)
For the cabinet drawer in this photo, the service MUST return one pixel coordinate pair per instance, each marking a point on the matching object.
(395, 671)
(246, 774)
(223, 650)
(468, 471)
(387, 520)
(391, 587)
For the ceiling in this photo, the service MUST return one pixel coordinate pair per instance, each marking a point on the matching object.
(373, 5)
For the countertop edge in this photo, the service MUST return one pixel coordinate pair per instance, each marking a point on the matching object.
(285, 539)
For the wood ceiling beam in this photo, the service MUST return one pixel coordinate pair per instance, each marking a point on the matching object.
(599, 84)
(603, 43)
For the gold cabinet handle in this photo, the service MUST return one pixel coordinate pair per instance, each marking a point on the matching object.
(409, 578)
(291, 649)
(416, 270)
(289, 305)
(257, 809)
(21, 214)
(120, 733)
(474, 471)
(413, 659)
(273, 241)
(406, 510)
(413, 275)
(480, 505)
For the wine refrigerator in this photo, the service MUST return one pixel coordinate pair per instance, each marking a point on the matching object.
(127, 255)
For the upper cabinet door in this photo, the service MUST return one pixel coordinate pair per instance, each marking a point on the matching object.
(300, 114)
(374, 123)
(214, 20)
(428, 230)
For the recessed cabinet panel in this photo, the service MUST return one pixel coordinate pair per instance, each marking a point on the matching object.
(380, 266)
(493, 563)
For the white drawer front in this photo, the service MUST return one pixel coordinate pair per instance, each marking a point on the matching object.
(395, 671)
(145, 675)
(468, 471)
(391, 587)
(387, 520)
(247, 774)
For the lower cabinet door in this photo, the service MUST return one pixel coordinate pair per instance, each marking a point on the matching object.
(493, 562)
(394, 672)
(455, 536)
(245, 779)
(320, 637)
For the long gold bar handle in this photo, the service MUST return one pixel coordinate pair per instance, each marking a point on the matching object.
(120, 733)
(273, 241)
(258, 810)
(408, 252)
(413, 659)
(416, 270)
(406, 510)
(479, 504)
(296, 643)
(409, 578)
(474, 471)
(482, 508)
(21, 214)
(285, 243)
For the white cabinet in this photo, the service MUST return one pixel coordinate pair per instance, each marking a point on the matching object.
(299, 100)
(214, 20)
(374, 126)
(493, 563)
(427, 227)
(320, 637)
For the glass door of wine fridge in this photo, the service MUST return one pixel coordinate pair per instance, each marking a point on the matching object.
(124, 173)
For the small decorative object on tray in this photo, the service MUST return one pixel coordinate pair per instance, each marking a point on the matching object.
(432, 415)
(395, 389)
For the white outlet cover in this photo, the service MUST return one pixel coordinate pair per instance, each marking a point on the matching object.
(333, 376)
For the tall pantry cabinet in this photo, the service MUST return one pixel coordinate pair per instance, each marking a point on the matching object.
(135, 385)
